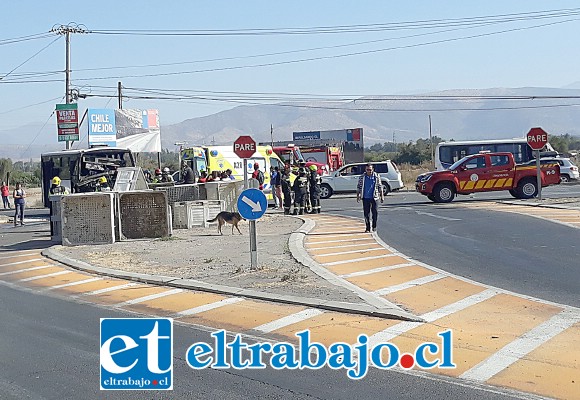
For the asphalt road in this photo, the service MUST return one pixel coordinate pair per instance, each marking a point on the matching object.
(514, 252)
(49, 349)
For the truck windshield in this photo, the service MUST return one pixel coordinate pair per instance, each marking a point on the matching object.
(458, 163)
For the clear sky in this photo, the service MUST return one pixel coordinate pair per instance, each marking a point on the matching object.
(442, 45)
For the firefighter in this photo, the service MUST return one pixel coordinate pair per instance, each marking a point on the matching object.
(300, 188)
(286, 189)
(314, 182)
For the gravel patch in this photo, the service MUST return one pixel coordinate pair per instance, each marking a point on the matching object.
(202, 254)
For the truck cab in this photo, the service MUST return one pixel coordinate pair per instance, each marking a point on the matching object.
(485, 172)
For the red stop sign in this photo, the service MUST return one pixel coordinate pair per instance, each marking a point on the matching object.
(244, 147)
(537, 138)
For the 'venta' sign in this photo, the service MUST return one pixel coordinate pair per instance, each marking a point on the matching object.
(67, 121)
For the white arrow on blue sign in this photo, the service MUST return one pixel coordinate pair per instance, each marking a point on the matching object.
(252, 204)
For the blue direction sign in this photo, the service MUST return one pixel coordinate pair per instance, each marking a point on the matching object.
(252, 204)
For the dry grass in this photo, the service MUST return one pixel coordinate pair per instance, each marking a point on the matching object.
(410, 172)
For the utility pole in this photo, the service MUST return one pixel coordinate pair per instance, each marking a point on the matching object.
(431, 139)
(67, 30)
(272, 134)
(394, 143)
(120, 95)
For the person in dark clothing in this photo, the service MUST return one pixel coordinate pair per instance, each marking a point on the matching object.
(286, 189)
(314, 182)
(276, 180)
(188, 175)
(370, 189)
(300, 188)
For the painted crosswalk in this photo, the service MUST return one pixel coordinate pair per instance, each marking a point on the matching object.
(500, 338)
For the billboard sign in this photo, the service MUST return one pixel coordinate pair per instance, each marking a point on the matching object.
(67, 121)
(350, 139)
(102, 127)
(137, 130)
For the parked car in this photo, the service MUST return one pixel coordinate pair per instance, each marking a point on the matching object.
(568, 170)
(345, 179)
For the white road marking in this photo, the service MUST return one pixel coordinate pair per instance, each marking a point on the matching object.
(346, 245)
(20, 255)
(521, 346)
(149, 297)
(375, 270)
(208, 307)
(407, 285)
(109, 289)
(33, 278)
(337, 241)
(437, 216)
(289, 320)
(402, 327)
(73, 283)
(357, 260)
(350, 252)
(26, 269)
(21, 262)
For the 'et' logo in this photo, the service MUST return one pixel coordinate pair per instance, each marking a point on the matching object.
(136, 353)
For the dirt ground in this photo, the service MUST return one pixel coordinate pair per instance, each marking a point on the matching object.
(203, 254)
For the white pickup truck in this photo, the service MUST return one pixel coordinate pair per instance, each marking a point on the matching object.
(345, 179)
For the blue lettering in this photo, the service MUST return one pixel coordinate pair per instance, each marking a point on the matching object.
(283, 356)
(363, 362)
(377, 359)
(447, 349)
(236, 354)
(256, 357)
(340, 356)
(420, 359)
(306, 347)
(220, 350)
(195, 351)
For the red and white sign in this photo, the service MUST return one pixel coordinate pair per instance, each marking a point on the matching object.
(537, 138)
(244, 147)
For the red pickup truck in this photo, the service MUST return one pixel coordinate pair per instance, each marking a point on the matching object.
(484, 173)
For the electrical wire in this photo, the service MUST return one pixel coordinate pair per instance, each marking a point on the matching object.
(29, 58)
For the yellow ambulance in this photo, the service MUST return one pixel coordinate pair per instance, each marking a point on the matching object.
(222, 158)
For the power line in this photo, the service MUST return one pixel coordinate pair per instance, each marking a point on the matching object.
(358, 28)
(29, 58)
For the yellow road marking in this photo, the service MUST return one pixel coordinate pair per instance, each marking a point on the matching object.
(434, 295)
(29, 274)
(58, 280)
(551, 370)
(480, 330)
(355, 266)
(331, 327)
(244, 315)
(92, 286)
(333, 257)
(122, 295)
(178, 302)
(388, 278)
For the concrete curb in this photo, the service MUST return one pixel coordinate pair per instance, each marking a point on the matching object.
(351, 308)
(296, 245)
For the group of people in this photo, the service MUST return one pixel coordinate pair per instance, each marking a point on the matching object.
(306, 187)
(188, 176)
(19, 196)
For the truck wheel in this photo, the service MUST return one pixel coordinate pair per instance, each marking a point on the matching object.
(527, 188)
(431, 197)
(325, 191)
(514, 193)
(443, 193)
(386, 188)
(564, 178)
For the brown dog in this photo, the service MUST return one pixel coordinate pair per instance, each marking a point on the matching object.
(224, 217)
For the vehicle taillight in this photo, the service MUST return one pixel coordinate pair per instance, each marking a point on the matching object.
(573, 168)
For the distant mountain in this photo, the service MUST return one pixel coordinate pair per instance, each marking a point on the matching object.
(406, 120)
(393, 116)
